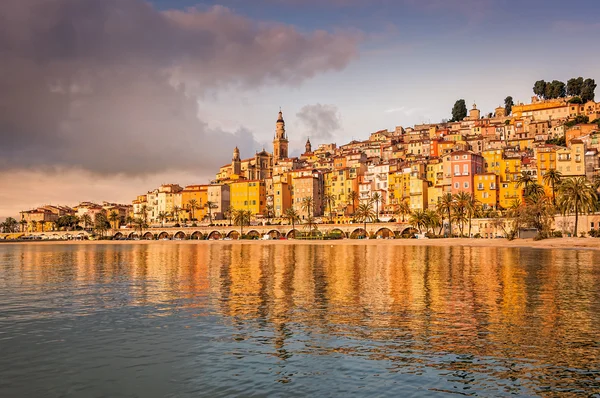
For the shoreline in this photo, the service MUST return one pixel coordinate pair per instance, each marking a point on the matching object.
(552, 243)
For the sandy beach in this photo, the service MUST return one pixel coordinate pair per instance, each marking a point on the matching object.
(556, 243)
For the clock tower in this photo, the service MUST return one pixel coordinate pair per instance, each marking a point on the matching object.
(280, 141)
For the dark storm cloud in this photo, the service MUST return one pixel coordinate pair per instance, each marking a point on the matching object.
(320, 120)
(112, 85)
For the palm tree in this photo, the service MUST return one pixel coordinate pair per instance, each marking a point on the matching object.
(23, 223)
(376, 199)
(553, 178)
(140, 224)
(446, 203)
(113, 217)
(210, 205)
(144, 213)
(34, 225)
(292, 216)
(176, 211)
(365, 213)
(524, 180)
(308, 205)
(229, 212)
(162, 216)
(468, 204)
(418, 219)
(241, 218)
(87, 220)
(534, 190)
(352, 198)
(403, 209)
(433, 220)
(576, 195)
(192, 207)
(329, 200)
(10, 224)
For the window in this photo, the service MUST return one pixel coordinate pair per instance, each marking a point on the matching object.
(456, 185)
(466, 185)
(465, 169)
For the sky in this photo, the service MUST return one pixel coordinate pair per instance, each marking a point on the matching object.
(107, 99)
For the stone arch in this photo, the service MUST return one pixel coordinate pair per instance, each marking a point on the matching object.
(197, 235)
(180, 235)
(235, 235)
(214, 235)
(385, 232)
(409, 232)
(358, 233)
(164, 235)
(148, 236)
(118, 235)
(253, 234)
(132, 235)
(274, 234)
(338, 231)
(291, 234)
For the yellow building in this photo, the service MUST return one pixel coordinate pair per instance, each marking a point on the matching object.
(418, 193)
(248, 195)
(197, 193)
(434, 194)
(399, 186)
(486, 190)
(339, 184)
(282, 194)
(570, 162)
(508, 192)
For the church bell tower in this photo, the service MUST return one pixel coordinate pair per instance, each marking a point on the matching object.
(280, 141)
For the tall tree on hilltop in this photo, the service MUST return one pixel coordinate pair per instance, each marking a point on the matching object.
(539, 88)
(508, 104)
(459, 111)
(574, 86)
(556, 89)
(587, 91)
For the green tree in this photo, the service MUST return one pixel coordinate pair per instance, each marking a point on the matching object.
(86, 219)
(140, 224)
(352, 198)
(192, 207)
(241, 218)
(433, 220)
(524, 180)
(101, 224)
(376, 198)
(534, 190)
(576, 195)
(210, 206)
(508, 104)
(364, 213)
(403, 209)
(459, 111)
(176, 211)
(553, 178)
(113, 217)
(588, 89)
(329, 201)
(229, 212)
(539, 88)
(418, 219)
(308, 205)
(292, 216)
(162, 216)
(446, 203)
(574, 86)
(556, 89)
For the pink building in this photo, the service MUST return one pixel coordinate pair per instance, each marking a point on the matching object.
(462, 167)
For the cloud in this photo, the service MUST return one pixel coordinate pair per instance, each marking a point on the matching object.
(320, 120)
(111, 86)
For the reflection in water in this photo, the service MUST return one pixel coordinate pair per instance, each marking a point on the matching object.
(167, 319)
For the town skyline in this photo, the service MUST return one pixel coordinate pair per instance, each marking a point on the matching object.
(91, 110)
